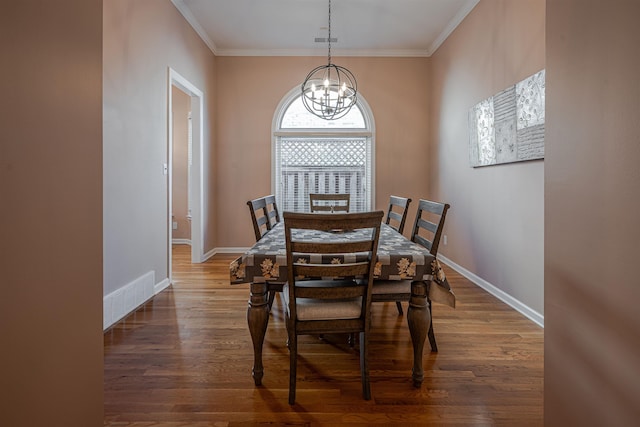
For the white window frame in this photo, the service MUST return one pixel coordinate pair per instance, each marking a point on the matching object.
(277, 132)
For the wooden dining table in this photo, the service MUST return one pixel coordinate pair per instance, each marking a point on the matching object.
(398, 258)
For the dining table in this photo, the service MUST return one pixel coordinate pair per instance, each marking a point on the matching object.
(398, 259)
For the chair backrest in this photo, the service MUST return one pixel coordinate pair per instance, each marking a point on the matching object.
(397, 212)
(272, 210)
(329, 202)
(264, 214)
(302, 260)
(429, 223)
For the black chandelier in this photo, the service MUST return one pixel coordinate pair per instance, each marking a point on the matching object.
(329, 91)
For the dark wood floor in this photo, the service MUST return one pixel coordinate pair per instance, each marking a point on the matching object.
(185, 358)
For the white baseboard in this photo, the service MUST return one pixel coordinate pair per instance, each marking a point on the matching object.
(123, 301)
(128, 298)
(159, 287)
(208, 255)
(181, 242)
(525, 310)
(214, 251)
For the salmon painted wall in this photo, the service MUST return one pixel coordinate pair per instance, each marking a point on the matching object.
(142, 40)
(51, 213)
(592, 191)
(496, 222)
(248, 92)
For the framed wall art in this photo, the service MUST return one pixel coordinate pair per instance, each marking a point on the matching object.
(509, 126)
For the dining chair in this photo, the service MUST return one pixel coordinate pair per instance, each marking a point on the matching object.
(338, 303)
(427, 230)
(396, 217)
(329, 202)
(259, 218)
(264, 216)
(397, 212)
(272, 210)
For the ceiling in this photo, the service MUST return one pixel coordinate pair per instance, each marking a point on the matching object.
(290, 27)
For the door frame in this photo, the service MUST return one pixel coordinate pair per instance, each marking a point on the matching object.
(196, 196)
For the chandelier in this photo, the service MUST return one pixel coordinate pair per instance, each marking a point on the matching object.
(329, 91)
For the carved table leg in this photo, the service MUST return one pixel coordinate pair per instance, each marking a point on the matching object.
(258, 318)
(419, 319)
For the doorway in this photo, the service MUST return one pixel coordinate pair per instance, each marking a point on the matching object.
(181, 163)
(187, 166)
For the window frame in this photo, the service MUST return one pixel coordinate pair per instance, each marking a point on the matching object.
(277, 132)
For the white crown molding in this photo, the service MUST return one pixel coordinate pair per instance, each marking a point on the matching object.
(452, 25)
(186, 13)
(323, 52)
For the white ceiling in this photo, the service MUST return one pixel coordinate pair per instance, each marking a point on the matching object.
(289, 27)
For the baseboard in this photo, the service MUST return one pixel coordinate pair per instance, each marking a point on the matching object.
(128, 298)
(214, 251)
(208, 255)
(159, 287)
(181, 242)
(123, 301)
(521, 308)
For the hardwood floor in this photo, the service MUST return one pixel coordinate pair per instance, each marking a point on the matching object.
(185, 358)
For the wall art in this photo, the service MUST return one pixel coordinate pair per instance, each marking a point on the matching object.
(509, 126)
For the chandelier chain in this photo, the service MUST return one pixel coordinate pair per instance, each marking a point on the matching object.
(329, 56)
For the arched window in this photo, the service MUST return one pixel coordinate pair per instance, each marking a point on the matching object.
(312, 155)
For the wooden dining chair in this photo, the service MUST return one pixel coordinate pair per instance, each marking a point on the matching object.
(397, 212)
(329, 202)
(259, 218)
(427, 230)
(337, 303)
(273, 214)
(264, 216)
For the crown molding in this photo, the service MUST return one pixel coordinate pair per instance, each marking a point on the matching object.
(323, 52)
(452, 25)
(188, 16)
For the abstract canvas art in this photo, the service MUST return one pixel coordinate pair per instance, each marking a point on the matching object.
(509, 126)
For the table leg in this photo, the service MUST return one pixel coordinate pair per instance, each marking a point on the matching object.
(258, 318)
(419, 319)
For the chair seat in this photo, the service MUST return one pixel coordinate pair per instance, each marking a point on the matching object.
(391, 287)
(325, 309)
